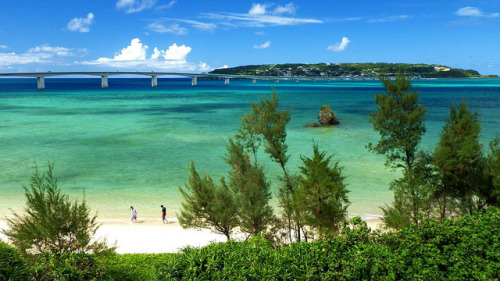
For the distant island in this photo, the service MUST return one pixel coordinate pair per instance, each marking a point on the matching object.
(352, 70)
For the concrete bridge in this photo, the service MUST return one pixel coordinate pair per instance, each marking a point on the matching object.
(40, 76)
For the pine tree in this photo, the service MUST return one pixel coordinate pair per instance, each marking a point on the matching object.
(322, 193)
(400, 122)
(53, 223)
(207, 205)
(251, 188)
(458, 158)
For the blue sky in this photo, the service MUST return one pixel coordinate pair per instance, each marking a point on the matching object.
(198, 36)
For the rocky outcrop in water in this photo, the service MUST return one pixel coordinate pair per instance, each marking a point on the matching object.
(326, 117)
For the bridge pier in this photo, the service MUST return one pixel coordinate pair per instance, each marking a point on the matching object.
(104, 81)
(154, 81)
(194, 81)
(254, 81)
(226, 81)
(40, 82)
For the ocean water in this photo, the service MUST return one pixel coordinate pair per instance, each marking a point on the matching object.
(132, 144)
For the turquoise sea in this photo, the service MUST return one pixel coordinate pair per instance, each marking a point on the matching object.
(132, 144)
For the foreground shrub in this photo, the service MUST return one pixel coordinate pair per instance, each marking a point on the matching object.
(131, 267)
(12, 264)
(465, 248)
(73, 266)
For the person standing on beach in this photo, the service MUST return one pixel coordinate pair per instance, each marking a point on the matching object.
(163, 213)
(134, 214)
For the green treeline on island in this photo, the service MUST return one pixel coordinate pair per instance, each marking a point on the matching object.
(352, 69)
(442, 224)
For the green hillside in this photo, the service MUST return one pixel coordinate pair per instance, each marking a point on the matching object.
(350, 69)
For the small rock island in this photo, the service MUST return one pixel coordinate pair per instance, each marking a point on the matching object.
(326, 117)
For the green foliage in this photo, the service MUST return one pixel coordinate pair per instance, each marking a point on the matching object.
(251, 189)
(458, 158)
(52, 223)
(67, 266)
(491, 190)
(461, 249)
(322, 193)
(132, 267)
(412, 194)
(207, 205)
(12, 264)
(270, 123)
(400, 122)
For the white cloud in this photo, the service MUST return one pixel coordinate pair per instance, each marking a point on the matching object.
(289, 8)
(3, 47)
(339, 47)
(135, 51)
(204, 67)
(474, 12)
(161, 28)
(258, 9)
(200, 25)
(469, 12)
(177, 53)
(166, 6)
(135, 6)
(41, 54)
(259, 16)
(263, 45)
(135, 56)
(262, 9)
(389, 19)
(81, 24)
(224, 67)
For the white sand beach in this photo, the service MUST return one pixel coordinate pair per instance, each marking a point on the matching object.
(150, 235)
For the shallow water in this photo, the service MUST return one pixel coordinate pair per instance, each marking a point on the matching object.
(132, 144)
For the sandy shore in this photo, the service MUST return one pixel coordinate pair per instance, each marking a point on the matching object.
(150, 235)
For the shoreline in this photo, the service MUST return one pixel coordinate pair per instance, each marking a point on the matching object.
(151, 236)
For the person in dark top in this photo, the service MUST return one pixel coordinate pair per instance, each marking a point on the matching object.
(163, 214)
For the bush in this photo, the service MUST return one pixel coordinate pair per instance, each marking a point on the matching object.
(73, 266)
(465, 248)
(12, 264)
(125, 267)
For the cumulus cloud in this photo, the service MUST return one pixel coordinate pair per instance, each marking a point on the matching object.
(174, 58)
(135, 6)
(263, 45)
(81, 24)
(41, 54)
(339, 47)
(177, 53)
(3, 47)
